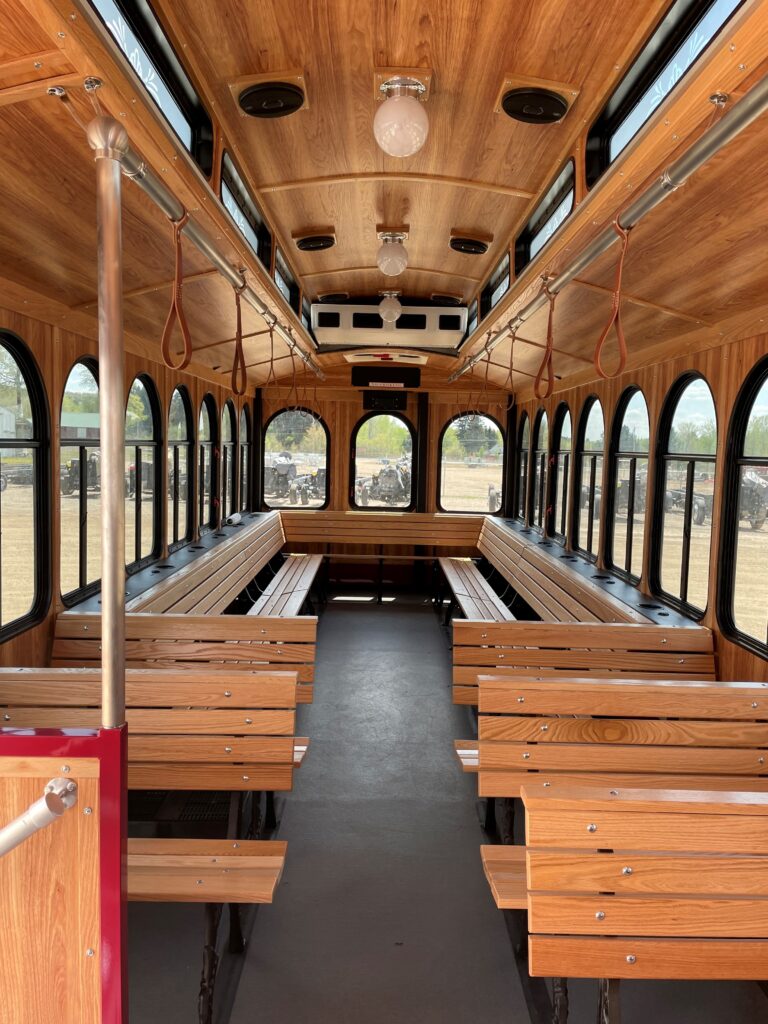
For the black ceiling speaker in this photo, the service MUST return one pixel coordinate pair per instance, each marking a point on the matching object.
(315, 243)
(446, 300)
(469, 246)
(271, 99)
(534, 106)
(334, 297)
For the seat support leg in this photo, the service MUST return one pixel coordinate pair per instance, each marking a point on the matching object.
(609, 1005)
(537, 1001)
(235, 832)
(559, 1001)
(270, 815)
(210, 962)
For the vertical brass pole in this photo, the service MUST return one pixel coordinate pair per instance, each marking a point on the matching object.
(109, 140)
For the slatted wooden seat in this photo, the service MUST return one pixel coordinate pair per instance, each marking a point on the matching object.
(646, 884)
(545, 583)
(527, 649)
(471, 591)
(210, 583)
(381, 530)
(288, 590)
(238, 642)
(187, 730)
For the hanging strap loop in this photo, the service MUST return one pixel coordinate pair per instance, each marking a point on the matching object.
(271, 379)
(546, 362)
(615, 317)
(508, 385)
(239, 373)
(176, 312)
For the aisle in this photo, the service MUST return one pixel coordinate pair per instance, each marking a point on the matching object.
(383, 915)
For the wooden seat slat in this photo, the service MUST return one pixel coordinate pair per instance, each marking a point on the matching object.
(474, 595)
(381, 529)
(289, 589)
(511, 783)
(163, 721)
(225, 777)
(505, 869)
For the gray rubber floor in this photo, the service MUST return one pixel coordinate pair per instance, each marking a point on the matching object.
(383, 914)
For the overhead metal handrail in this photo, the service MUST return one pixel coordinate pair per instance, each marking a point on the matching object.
(709, 144)
(59, 795)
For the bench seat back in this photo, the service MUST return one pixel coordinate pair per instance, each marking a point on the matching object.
(647, 884)
(381, 529)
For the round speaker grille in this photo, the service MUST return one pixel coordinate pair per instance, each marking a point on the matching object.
(315, 243)
(271, 99)
(469, 246)
(534, 106)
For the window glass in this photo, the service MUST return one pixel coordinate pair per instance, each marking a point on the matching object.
(245, 460)
(496, 286)
(295, 460)
(285, 281)
(589, 480)
(20, 485)
(561, 468)
(554, 207)
(141, 453)
(750, 583)
(180, 448)
(523, 447)
(630, 474)
(80, 482)
(688, 464)
(471, 318)
(228, 496)
(471, 465)
(206, 479)
(383, 462)
(243, 210)
(540, 454)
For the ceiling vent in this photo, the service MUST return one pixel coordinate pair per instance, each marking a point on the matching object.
(337, 325)
(271, 99)
(534, 106)
(469, 246)
(333, 297)
(315, 243)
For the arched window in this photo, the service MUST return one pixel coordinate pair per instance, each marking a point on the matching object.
(245, 460)
(561, 469)
(382, 462)
(686, 483)
(471, 464)
(80, 482)
(142, 463)
(228, 496)
(589, 475)
(180, 475)
(629, 484)
(24, 499)
(295, 460)
(206, 479)
(743, 579)
(523, 445)
(540, 455)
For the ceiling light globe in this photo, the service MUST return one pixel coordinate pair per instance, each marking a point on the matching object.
(390, 309)
(392, 257)
(401, 125)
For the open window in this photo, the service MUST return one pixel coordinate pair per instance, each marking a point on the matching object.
(629, 485)
(588, 492)
(228, 477)
(180, 464)
(142, 469)
(471, 464)
(554, 208)
(242, 208)
(296, 445)
(523, 449)
(539, 471)
(561, 469)
(207, 470)
(246, 499)
(382, 462)
(496, 286)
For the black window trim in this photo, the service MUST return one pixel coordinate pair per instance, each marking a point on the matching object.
(210, 524)
(533, 500)
(661, 457)
(520, 501)
(41, 443)
(485, 303)
(156, 444)
(245, 462)
(286, 272)
(249, 208)
(558, 419)
(471, 512)
(544, 209)
(730, 501)
(226, 498)
(577, 442)
(318, 419)
(614, 454)
(352, 457)
(176, 496)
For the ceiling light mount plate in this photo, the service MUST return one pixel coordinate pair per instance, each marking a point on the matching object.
(392, 234)
(411, 81)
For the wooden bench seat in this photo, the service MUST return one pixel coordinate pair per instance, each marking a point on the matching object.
(529, 649)
(237, 642)
(646, 884)
(474, 595)
(211, 582)
(504, 868)
(381, 530)
(288, 590)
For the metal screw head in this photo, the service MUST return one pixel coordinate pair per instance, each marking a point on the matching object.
(631, 959)
(62, 35)
(626, 871)
(56, 90)
(227, 693)
(235, 846)
(227, 750)
(547, 785)
(545, 728)
(90, 952)
(199, 881)
(719, 99)
(526, 757)
(65, 768)
(246, 778)
(249, 721)
(37, 65)
(91, 84)
(761, 760)
(754, 703)
(614, 792)
(6, 718)
(521, 700)
(600, 915)
(87, 810)
(591, 828)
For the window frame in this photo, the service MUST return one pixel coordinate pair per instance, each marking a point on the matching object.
(552, 199)
(520, 503)
(245, 438)
(83, 590)
(615, 453)
(662, 456)
(284, 271)
(228, 503)
(579, 453)
(176, 497)
(211, 524)
(562, 410)
(40, 442)
(471, 512)
(488, 298)
(232, 179)
(318, 419)
(156, 444)
(539, 522)
(352, 459)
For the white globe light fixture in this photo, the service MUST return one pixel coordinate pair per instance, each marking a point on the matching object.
(401, 123)
(392, 257)
(390, 308)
